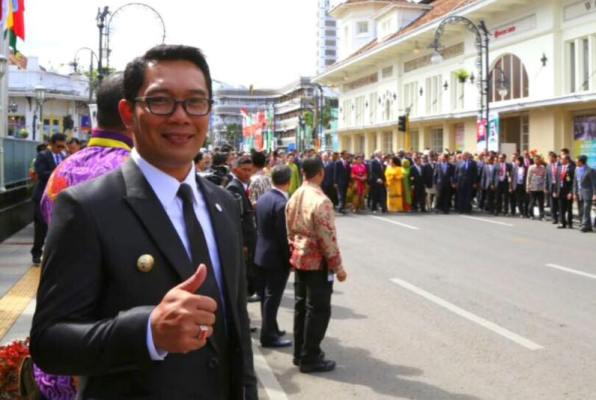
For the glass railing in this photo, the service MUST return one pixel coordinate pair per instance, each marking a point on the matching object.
(18, 154)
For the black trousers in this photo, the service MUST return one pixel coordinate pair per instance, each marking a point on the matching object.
(502, 197)
(273, 283)
(342, 193)
(521, 200)
(40, 231)
(312, 311)
(331, 192)
(554, 205)
(379, 196)
(444, 199)
(565, 208)
(464, 198)
(489, 199)
(537, 197)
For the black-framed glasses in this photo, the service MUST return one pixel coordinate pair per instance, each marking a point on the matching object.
(166, 106)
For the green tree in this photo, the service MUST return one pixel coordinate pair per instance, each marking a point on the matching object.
(233, 134)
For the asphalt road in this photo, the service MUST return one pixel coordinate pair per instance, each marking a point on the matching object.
(449, 307)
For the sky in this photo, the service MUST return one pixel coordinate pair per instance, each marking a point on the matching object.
(265, 43)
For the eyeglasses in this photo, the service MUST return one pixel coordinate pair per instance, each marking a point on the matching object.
(166, 106)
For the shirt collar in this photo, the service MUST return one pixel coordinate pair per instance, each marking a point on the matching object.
(282, 192)
(165, 186)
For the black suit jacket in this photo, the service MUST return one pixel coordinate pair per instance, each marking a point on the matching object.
(44, 165)
(329, 175)
(342, 174)
(377, 171)
(443, 180)
(272, 249)
(93, 304)
(249, 231)
(466, 177)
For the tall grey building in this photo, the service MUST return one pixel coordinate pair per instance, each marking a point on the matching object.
(326, 37)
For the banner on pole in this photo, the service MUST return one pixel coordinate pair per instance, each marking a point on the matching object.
(493, 132)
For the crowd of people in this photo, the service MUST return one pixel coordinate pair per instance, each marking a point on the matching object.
(522, 185)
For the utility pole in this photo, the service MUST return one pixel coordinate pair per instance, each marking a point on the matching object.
(101, 19)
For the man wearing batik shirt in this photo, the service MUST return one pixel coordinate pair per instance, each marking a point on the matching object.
(260, 183)
(315, 258)
(108, 148)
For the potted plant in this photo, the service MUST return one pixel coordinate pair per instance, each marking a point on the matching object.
(23, 134)
(462, 75)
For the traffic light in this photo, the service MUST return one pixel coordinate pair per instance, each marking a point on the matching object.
(402, 123)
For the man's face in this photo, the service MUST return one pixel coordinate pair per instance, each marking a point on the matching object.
(58, 146)
(244, 172)
(169, 142)
(73, 147)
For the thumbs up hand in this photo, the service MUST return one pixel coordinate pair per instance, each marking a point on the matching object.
(183, 320)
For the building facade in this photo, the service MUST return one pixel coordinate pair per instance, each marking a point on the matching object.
(326, 37)
(541, 75)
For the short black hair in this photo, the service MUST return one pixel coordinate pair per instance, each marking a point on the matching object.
(583, 159)
(396, 160)
(73, 140)
(57, 137)
(198, 158)
(242, 160)
(259, 159)
(41, 147)
(134, 74)
(109, 94)
(281, 175)
(311, 167)
(219, 158)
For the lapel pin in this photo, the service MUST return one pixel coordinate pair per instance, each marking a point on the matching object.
(218, 207)
(145, 263)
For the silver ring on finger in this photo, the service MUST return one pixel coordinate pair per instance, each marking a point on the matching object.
(203, 329)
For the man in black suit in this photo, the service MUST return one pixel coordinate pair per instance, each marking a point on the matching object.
(444, 181)
(45, 162)
(488, 181)
(272, 254)
(418, 183)
(466, 174)
(328, 186)
(241, 172)
(376, 180)
(566, 176)
(341, 180)
(121, 301)
(502, 184)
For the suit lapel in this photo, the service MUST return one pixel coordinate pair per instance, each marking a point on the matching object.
(145, 204)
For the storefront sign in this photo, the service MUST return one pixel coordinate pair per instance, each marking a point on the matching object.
(584, 137)
(579, 9)
(520, 25)
(493, 132)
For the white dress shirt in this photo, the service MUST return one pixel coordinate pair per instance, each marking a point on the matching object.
(166, 189)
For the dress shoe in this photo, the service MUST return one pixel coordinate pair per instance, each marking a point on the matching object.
(561, 227)
(36, 261)
(584, 230)
(281, 333)
(253, 299)
(319, 366)
(277, 343)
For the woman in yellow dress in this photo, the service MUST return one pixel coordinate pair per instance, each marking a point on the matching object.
(395, 176)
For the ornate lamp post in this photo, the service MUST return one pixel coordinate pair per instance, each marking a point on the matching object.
(40, 97)
(482, 64)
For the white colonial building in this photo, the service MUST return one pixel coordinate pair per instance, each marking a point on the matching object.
(542, 65)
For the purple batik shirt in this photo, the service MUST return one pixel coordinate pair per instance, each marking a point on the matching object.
(105, 152)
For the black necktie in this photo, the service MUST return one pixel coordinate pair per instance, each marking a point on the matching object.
(200, 255)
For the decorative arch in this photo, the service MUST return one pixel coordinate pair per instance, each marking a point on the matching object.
(509, 70)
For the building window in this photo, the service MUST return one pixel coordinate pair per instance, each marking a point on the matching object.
(359, 145)
(387, 72)
(510, 74)
(359, 111)
(387, 142)
(457, 92)
(362, 27)
(330, 23)
(411, 97)
(436, 139)
(433, 94)
(329, 52)
(525, 133)
(329, 42)
(329, 62)
(387, 111)
(581, 64)
(415, 140)
(372, 107)
(329, 33)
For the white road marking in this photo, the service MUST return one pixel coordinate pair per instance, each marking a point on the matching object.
(266, 375)
(397, 223)
(522, 341)
(487, 220)
(571, 271)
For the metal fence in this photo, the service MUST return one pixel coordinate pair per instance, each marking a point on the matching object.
(18, 154)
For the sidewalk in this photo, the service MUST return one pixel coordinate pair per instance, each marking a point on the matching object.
(18, 286)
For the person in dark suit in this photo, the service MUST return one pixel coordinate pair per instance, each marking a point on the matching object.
(488, 182)
(328, 186)
(241, 172)
(377, 181)
(565, 192)
(502, 184)
(428, 171)
(584, 191)
(466, 173)
(444, 182)
(272, 254)
(552, 179)
(341, 180)
(45, 163)
(121, 301)
(419, 185)
(519, 196)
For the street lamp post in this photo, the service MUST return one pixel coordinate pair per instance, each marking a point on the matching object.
(482, 63)
(40, 96)
(75, 65)
(101, 24)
